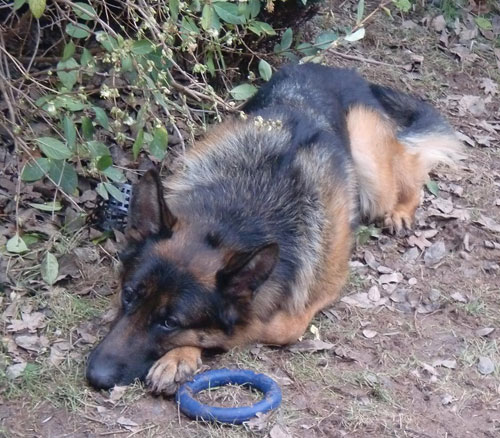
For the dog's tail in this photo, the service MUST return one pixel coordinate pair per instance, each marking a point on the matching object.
(420, 127)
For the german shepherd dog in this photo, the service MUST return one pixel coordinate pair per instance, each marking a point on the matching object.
(252, 234)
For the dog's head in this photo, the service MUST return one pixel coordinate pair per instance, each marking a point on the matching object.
(180, 287)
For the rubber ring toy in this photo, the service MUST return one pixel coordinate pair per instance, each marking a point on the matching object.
(224, 376)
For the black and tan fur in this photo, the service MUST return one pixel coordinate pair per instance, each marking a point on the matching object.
(252, 234)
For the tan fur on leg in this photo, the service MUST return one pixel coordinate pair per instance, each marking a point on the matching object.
(172, 369)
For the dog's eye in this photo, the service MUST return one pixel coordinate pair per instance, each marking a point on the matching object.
(170, 324)
(128, 294)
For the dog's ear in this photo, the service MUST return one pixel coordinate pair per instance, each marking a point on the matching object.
(239, 280)
(148, 213)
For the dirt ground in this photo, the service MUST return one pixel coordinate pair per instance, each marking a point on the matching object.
(411, 350)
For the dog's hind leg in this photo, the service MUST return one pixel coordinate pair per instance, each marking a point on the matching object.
(390, 176)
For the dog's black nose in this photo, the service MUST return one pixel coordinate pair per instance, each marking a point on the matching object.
(100, 376)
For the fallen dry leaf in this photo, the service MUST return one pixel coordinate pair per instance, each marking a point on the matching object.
(488, 223)
(474, 105)
(359, 299)
(279, 432)
(117, 393)
(123, 421)
(384, 270)
(446, 399)
(259, 422)
(311, 346)
(446, 363)
(435, 253)
(465, 138)
(370, 260)
(430, 369)
(439, 23)
(491, 245)
(419, 241)
(374, 294)
(14, 371)
(489, 86)
(457, 296)
(399, 295)
(444, 205)
(367, 333)
(484, 331)
(28, 342)
(485, 365)
(395, 277)
(30, 321)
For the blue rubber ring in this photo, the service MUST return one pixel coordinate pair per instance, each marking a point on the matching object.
(211, 379)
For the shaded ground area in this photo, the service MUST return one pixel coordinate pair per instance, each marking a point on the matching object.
(412, 350)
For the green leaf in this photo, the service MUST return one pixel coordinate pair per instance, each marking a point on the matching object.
(259, 27)
(68, 78)
(97, 149)
(265, 70)
(34, 170)
(325, 39)
(18, 4)
(63, 174)
(78, 30)
(87, 128)
(142, 47)
(364, 233)
(209, 19)
(243, 91)
(114, 174)
(47, 206)
(53, 148)
(16, 245)
(402, 5)
(69, 51)
(101, 190)
(136, 148)
(361, 11)
(173, 5)
(159, 144)
(101, 117)
(483, 23)
(228, 12)
(189, 26)
(307, 49)
(107, 41)
(358, 35)
(104, 236)
(31, 238)
(69, 102)
(286, 39)
(69, 132)
(86, 59)
(432, 187)
(104, 162)
(114, 192)
(209, 62)
(49, 269)
(254, 8)
(37, 7)
(88, 12)
(127, 64)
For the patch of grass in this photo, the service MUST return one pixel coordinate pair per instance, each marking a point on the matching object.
(68, 310)
(475, 307)
(477, 347)
(65, 383)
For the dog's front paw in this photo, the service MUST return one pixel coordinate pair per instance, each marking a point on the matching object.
(397, 221)
(173, 369)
